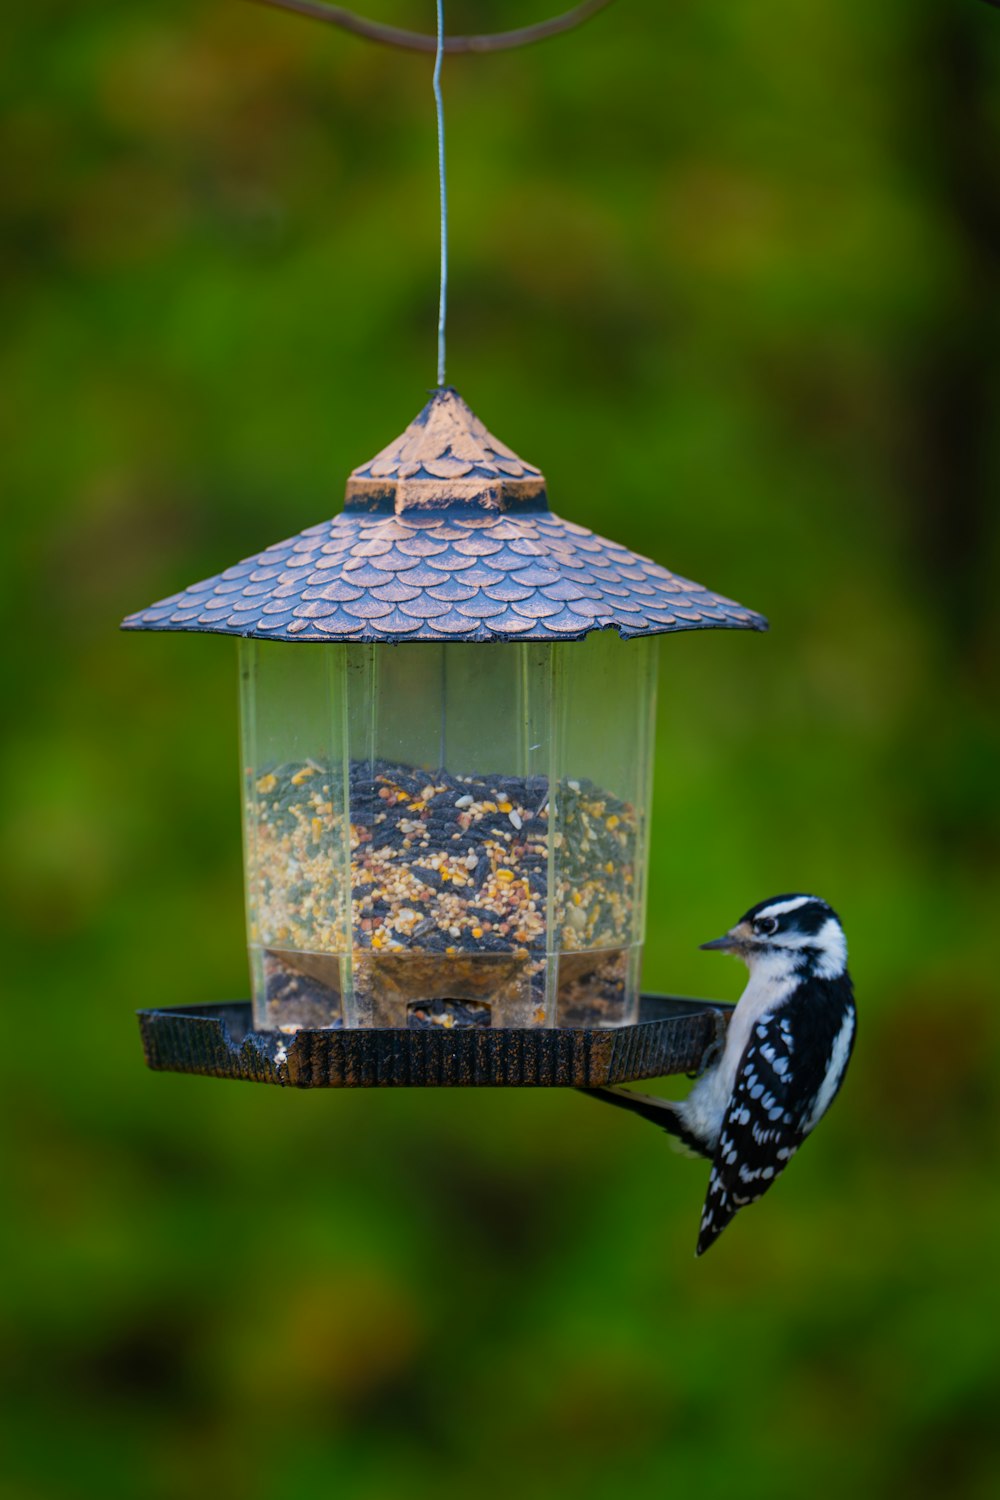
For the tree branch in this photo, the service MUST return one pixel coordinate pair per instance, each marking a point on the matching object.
(418, 41)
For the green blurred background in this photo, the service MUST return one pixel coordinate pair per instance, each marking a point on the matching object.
(730, 272)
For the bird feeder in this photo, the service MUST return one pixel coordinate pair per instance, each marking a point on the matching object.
(448, 701)
(447, 697)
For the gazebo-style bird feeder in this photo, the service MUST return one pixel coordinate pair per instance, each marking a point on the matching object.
(448, 701)
(447, 698)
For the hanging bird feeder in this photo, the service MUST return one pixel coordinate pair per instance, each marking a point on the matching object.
(447, 698)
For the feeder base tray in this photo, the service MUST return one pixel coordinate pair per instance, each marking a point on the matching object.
(671, 1036)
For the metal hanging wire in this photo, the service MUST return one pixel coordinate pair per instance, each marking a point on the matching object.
(439, 44)
(443, 190)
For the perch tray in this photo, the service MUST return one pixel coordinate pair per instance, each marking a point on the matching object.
(671, 1036)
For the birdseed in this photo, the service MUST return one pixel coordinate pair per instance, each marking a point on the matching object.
(443, 869)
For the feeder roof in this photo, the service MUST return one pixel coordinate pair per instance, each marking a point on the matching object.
(445, 535)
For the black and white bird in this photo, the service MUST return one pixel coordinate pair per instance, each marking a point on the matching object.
(786, 1051)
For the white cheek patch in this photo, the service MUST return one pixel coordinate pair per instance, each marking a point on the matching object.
(833, 950)
(829, 942)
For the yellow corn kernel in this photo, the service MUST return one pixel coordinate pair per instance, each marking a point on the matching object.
(477, 932)
(505, 806)
(505, 875)
(613, 821)
(317, 828)
(267, 784)
(301, 776)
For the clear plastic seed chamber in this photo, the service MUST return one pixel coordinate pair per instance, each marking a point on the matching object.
(448, 700)
(447, 833)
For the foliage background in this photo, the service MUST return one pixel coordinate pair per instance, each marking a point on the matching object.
(730, 273)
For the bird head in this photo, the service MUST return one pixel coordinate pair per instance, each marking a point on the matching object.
(794, 933)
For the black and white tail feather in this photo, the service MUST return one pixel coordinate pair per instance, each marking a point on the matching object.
(789, 1041)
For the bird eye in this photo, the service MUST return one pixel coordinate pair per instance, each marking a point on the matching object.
(764, 926)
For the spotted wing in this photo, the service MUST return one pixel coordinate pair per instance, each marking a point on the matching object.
(790, 1072)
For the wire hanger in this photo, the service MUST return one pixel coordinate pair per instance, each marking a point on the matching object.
(439, 44)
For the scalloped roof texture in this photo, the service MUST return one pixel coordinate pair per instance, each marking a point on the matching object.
(446, 535)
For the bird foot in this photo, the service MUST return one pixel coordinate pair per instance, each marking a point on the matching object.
(713, 1051)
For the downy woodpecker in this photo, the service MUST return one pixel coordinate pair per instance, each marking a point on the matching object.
(786, 1052)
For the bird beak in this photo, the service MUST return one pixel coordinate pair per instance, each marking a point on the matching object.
(730, 942)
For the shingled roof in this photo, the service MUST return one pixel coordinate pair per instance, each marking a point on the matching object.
(445, 535)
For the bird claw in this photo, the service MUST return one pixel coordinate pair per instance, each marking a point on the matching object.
(713, 1051)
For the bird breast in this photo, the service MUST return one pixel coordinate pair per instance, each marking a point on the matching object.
(705, 1107)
